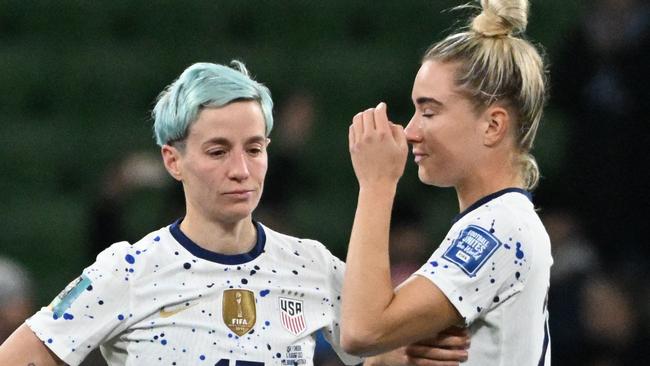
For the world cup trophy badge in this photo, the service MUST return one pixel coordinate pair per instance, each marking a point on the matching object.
(238, 310)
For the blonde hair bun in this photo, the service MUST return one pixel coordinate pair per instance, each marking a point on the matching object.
(501, 18)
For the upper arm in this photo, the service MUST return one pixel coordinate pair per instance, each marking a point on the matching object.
(24, 348)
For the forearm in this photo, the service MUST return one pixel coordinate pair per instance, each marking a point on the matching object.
(367, 289)
(23, 348)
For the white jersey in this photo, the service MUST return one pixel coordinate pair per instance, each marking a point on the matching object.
(166, 301)
(494, 267)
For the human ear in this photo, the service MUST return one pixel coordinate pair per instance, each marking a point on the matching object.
(172, 161)
(497, 124)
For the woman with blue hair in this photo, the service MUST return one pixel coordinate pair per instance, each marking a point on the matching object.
(215, 286)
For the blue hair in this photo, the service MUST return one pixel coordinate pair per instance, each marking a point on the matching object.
(205, 85)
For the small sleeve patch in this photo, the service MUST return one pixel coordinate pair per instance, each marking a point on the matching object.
(63, 301)
(472, 249)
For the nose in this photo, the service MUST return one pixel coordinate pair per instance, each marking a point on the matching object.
(412, 131)
(238, 166)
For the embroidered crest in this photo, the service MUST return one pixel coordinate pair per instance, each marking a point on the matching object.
(472, 249)
(292, 315)
(238, 310)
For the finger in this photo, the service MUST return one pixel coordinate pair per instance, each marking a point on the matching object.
(381, 119)
(444, 340)
(452, 336)
(428, 362)
(399, 136)
(368, 121)
(459, 331)
(357, 124)
(440, 354)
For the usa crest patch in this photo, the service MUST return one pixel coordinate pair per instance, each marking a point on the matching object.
(472, 249)
(292, 315)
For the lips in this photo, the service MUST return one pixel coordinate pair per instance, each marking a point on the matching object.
(240, 193)
(419, 156)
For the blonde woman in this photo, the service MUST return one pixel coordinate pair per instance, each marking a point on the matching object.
(478, 100)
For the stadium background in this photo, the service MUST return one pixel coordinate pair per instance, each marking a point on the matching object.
(79, 78)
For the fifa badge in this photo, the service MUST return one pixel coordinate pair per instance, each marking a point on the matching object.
(292, 315)
(238, 310)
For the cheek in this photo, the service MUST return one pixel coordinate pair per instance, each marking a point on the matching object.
(259, 168)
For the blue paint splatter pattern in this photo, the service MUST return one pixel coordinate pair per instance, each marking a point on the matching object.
(507, 274)
(164, 304)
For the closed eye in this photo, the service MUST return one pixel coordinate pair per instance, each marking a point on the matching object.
(255, 151)
(216, 153)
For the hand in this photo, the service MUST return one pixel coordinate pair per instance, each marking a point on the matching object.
(449, 348)
(377, 147)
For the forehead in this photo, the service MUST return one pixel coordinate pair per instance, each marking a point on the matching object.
(435, 79)
(234, 121)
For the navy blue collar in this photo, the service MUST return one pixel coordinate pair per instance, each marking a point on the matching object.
(489, 198)
(200, 252)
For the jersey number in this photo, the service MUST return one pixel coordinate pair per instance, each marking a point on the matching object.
(226, 362)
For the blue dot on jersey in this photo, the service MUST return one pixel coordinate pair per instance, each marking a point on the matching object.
(267, 323)
(264, 292)
(157, 238)
(520, 253)
(120, 317)
(434, 263)
(50, 340)
(202, 357)
(163, 342)
(187, 265)
(129, 258)
(67, 316)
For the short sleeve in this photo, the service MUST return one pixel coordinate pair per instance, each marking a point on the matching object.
(91, 309)
(332, 332)
(478, 269)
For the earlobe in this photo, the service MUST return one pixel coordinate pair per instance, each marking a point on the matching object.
(171, 160)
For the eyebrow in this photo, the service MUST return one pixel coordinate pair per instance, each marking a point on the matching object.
(428, 100)
(224, 141)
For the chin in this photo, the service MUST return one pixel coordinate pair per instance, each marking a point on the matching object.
(235, 214)
(432, 180)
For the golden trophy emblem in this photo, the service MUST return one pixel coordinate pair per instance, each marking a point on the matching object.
(238, 310)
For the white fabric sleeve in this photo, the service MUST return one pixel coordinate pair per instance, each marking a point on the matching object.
(477, 269)
(332, 332)
(91, 309)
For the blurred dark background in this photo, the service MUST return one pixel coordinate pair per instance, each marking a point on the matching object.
(80, 169)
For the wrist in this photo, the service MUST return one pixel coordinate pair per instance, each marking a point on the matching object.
(378, 188)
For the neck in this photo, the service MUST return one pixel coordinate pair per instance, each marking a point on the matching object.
(224, 238)
(486, 179)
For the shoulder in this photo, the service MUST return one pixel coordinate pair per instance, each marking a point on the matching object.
(124, 257)
(508, 222)
(504, 216)
(300, 248)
